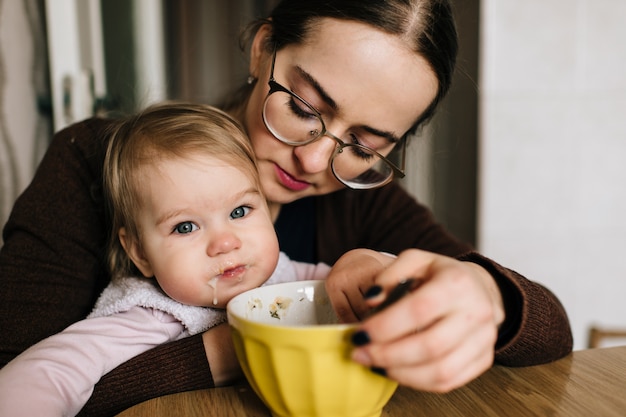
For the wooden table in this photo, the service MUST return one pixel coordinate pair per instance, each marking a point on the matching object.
(586, 383)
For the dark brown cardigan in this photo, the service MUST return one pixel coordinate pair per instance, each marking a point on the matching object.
(52, 270)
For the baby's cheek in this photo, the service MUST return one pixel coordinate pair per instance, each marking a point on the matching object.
(185, 294)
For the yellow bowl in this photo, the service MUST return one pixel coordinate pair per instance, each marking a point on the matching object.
(296, 356)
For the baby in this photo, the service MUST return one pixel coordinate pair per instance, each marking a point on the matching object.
(190, 229)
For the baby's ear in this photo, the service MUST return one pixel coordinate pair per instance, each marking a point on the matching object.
(135, 253)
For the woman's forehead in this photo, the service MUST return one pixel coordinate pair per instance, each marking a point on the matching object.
(370, 74)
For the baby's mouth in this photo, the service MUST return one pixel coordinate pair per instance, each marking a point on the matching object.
(228, 273)
(233, 272)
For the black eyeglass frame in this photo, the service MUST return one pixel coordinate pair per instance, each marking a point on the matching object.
(275, 86)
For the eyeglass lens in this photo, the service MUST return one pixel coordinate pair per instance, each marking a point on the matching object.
(294, 122)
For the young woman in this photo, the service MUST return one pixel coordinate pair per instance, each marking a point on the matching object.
(333, 87)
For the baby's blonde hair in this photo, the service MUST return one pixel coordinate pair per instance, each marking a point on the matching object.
(161, 132)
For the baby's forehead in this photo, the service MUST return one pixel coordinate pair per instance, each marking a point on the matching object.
(205, 161)
(195, 176)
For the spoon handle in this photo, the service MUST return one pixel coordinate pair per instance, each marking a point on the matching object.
(399, 291)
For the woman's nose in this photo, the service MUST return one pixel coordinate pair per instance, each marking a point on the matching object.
(315, 156)
(223, 242)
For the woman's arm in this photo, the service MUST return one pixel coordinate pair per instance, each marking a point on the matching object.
(536, 328)
(51, 264)
(442, 333)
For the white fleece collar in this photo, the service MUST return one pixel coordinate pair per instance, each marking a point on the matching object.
(123, 294)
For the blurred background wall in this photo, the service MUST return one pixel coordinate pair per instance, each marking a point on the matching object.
(25, 125)
(552, 146)
(523, 159)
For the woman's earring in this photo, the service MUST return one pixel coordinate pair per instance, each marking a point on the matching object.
(251, 80)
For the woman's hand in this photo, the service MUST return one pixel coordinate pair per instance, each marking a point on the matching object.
(438, 337)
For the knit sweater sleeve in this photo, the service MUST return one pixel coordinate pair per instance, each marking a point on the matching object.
(536, 329)
(51, 263)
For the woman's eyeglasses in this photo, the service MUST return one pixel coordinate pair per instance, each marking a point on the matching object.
(293, 121)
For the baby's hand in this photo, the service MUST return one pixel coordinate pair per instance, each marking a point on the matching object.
(351, 276)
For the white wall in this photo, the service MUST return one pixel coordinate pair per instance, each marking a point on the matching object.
(553, 150)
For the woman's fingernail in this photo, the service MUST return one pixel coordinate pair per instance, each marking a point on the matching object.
(360, 338)
(373, 292)
(379, 371)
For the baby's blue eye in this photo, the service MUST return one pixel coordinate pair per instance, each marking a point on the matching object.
(185, 227)
(239, 212)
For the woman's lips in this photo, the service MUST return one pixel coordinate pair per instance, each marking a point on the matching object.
(289, 181)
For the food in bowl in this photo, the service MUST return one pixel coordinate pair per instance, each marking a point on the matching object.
(296, 355)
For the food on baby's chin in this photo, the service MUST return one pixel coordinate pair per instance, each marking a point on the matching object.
(279, 307)
(213, 284)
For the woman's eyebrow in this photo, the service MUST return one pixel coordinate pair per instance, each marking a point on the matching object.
(313, 83)
(308, 78)
(391, 137)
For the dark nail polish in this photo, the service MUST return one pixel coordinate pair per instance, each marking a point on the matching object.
(373, 292)
(360, 338)
(379, 371)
